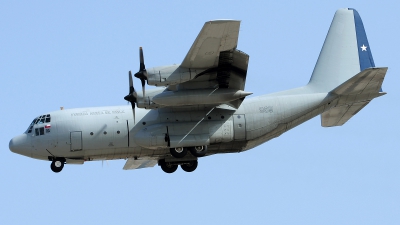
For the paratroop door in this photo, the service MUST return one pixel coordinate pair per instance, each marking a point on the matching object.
(76, 141)
(239, 126)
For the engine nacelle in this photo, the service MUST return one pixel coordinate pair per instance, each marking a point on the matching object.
(170, 75)
(147, 101)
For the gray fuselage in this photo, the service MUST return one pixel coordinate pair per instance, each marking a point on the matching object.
(110, 132)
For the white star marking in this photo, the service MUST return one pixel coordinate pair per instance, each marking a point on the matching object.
(363, 48)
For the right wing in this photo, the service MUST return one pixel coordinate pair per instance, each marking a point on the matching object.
(215, 61)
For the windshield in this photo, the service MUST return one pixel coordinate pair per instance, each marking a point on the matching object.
(39, 120)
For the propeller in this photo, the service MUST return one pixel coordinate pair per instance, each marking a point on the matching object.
(142, 74)
(132, 96)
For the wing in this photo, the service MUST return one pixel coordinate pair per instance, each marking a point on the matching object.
(213, 72)
(215, 37)
(215, 64)
(229, 76)
(132, 164)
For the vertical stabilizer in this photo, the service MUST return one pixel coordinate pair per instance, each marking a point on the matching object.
(345, 52)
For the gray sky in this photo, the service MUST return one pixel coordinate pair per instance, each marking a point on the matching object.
(75, 54)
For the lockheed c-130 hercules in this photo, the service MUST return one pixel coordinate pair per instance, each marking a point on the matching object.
(199, 108)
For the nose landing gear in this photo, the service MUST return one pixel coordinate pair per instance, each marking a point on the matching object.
(57, 165)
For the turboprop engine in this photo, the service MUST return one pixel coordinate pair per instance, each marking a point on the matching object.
(199, 96)
(170, 75)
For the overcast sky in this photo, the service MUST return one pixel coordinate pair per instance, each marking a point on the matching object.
(75, 54)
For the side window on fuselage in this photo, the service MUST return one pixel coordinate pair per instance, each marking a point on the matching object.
(39, 131)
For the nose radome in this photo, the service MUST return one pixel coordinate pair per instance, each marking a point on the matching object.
(20, 145)
(12, 145)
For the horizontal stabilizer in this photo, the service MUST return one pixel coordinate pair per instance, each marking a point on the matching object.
(132, 164)
(338, 116)
(368, 81)
(354, 95)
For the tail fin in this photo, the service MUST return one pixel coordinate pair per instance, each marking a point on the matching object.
(345, 52)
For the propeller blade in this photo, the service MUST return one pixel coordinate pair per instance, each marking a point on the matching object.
(143, 87)
(131, 88)
(142, 73)
(133, 111)
(142, 66)
(132, 96)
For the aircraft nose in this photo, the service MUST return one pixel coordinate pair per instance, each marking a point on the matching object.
(20, 145)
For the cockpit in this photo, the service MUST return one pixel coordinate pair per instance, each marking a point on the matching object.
(39, 120)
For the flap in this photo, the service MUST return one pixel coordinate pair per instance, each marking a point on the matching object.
(214, 37)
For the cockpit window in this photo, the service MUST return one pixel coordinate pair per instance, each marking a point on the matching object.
(39, 120)
(43, 119)
(31, 126)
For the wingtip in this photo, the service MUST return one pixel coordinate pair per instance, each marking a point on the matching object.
(223, 21)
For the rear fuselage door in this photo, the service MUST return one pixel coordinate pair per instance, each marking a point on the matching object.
(239, 126)
(76, 141)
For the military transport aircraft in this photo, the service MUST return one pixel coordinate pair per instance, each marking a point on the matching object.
(199, 108)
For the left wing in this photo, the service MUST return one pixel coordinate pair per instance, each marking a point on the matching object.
(213, 72)
(216, 66)
(215, 37)
(132, 164)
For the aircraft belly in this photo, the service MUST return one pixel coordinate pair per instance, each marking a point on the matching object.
(184, 134)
